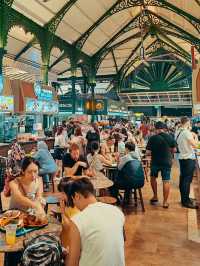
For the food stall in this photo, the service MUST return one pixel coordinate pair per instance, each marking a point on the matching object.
(8, 121)
(26, 111)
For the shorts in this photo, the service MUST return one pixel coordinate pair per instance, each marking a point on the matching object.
(165, 172)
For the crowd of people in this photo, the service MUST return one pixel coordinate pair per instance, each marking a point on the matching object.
(80, 154)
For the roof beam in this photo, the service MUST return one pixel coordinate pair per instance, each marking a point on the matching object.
(175, 27)
(132, 24)
(25, 48)
(106, 52)
(183, 51)
(130, 64)
(64, 71)
(132, 53)
(60, 58)
(51, 26)
(121, 5)
(114, 60)
(98, 77)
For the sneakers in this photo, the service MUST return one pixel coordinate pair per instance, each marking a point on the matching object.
(190, 205)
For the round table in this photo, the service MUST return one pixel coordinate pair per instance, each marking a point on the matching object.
(53, 227)
(100, 183)
(111, 170)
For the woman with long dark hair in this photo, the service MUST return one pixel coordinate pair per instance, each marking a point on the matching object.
(27, 189)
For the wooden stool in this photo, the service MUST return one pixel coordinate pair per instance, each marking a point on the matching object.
(107, 199)
(145, 165)
(127, 195)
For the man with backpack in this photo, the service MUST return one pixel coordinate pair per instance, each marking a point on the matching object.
(161, 146)
(187, 142)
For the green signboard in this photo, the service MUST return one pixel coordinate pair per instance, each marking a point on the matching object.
(65, 104)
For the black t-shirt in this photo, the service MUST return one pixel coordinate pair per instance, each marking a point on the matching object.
(69, 162)
(160, 146)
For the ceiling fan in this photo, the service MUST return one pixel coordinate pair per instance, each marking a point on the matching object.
(156, 58)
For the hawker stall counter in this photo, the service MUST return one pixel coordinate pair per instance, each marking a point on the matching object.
(27, 146)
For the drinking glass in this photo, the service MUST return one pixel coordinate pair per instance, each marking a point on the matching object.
(11, 233)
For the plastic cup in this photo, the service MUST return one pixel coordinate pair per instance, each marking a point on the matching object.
(11, 233)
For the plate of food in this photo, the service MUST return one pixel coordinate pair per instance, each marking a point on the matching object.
(8, 219)
(11, 214)
(32, 221)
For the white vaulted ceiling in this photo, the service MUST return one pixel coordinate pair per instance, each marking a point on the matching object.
(80, 17)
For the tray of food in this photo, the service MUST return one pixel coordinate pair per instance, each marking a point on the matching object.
(23, 220)
(32, 221)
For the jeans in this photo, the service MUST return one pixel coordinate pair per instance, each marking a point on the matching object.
(187, 167)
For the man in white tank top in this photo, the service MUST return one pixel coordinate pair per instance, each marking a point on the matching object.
(96, 233)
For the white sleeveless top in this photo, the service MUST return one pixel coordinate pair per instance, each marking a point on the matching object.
(101, 230)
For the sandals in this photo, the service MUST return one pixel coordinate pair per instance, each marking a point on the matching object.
(166, 205)
(153, 201)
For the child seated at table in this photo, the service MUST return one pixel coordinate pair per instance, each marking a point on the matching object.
(67, 211)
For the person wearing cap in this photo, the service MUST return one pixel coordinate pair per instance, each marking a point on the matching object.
(161, 147)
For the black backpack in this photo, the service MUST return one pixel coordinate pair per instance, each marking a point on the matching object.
(43, 250)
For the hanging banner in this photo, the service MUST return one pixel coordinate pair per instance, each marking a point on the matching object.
(196, 89)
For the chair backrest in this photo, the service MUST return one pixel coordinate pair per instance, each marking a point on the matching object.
(133, 173)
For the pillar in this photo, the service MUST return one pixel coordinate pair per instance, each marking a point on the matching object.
(85, 85)
(158, 111)
(73, 79)
(45, 72)
(92, 85)
(2, 52)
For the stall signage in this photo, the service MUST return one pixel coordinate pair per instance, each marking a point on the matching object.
(97, 107)
(42, 94)
(6, 104)
(38, 106)
(65, 104)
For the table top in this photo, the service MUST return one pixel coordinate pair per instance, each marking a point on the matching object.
(113, 166)
(53, 227)
(100, 183)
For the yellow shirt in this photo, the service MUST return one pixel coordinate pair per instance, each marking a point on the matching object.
(70, 212)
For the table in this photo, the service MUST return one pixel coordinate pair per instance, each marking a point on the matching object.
(111, 171)
(13, 250)
(100, 183)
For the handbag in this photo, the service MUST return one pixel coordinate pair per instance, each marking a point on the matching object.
(177, 149)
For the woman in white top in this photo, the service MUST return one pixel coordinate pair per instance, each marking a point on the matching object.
(59, 145)
(79, 140)
(27, 189)
(96, 160)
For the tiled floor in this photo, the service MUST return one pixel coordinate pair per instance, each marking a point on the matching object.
(159, 237)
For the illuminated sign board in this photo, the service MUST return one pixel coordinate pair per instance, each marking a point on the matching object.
(38, 106)
(97, 107)
(42, 94)
(6, 104)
